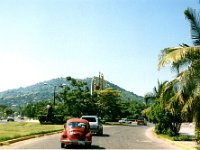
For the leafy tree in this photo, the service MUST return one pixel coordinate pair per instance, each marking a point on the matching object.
(6, 111)
(76, 99)
(108, 102)
(33, 110)
(135, 109)
(125, 109)
(30, 110)
(2, 109)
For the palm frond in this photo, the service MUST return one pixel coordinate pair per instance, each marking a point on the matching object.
(188, 105)
(178, 54)
(184, 45)
(170, 55)
(175, 102)
(179, 65)
(194, 19)
(197, 91)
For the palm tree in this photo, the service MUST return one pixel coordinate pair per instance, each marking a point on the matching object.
(157, 92)
(186, 61)
(164, 111)
(152, 100)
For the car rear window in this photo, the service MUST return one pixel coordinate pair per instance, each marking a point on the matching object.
(76, 125)
(89, 119)
(141, 118)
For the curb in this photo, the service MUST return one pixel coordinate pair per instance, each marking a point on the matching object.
(185, 146)
(26, 138)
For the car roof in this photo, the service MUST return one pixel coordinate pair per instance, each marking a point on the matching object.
(77, 120)
(141, 117)
(10, 116)
(89, 116)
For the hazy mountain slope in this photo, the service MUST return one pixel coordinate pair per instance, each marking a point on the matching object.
(39, 92)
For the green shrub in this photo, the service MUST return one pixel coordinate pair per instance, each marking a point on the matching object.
(66, 118)
(182, 137)
(42, 118)
(169, 132)
(197, 133)
(160, 128)
(58, 119)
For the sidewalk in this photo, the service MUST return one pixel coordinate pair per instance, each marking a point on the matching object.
(186, 129)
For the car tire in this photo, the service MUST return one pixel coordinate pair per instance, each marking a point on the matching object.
(100, 132)
(62, 145)
(88, 146)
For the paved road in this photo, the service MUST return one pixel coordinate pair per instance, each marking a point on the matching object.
(115, 137)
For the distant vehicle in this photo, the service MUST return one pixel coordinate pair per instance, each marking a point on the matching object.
(125, 120)
(76, 132)
(95, 124)
(141, 121)
(10, 118)
(20, 117)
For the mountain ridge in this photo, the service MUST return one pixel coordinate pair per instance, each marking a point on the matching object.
(40, 91)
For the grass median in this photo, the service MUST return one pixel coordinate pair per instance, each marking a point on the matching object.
(13, 130)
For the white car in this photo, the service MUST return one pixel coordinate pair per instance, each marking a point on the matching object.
(125, 120)
(96, 126)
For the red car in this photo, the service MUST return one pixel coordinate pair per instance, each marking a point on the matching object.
(141, 120)
(76, 132)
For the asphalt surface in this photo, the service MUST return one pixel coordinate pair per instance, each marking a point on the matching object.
(116, 137)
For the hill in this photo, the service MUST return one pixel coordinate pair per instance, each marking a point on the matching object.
(41, 91)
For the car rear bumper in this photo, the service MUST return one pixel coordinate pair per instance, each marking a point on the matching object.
(142, 123)
(75, 142)
(94, 130)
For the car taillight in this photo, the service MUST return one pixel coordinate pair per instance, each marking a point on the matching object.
(88, 137)
(64, 136)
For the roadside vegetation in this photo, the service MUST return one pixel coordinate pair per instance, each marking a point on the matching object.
(12, 130)
(178, 137)
(176, 101)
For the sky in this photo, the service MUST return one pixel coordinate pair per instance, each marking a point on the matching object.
(42, 40)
